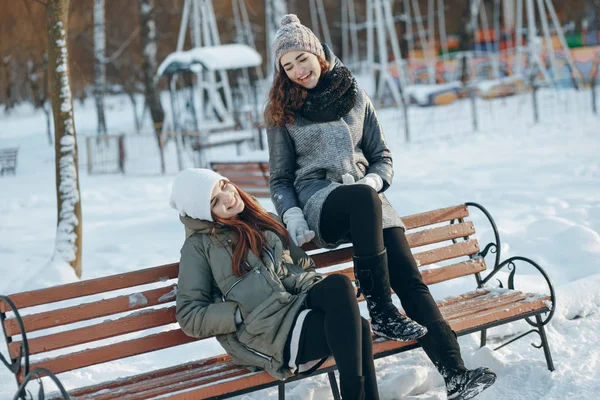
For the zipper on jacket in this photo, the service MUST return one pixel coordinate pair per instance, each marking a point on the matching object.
(258, 353)
(271, 257)
(253, 270)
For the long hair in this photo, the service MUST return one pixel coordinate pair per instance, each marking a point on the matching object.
(249, 225)
(286, 97)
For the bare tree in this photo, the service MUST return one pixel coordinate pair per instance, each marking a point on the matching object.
(68, 232)
(100, 63)
(149, 71)
(37, 76)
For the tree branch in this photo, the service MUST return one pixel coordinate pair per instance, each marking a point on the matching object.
(45, 4)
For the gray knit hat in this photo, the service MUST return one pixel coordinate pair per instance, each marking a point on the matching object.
(292, 35)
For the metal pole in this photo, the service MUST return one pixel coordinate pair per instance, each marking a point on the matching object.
(594, 83)
(474, 109)
(176, 127)
(536, 115)
(548, 40)
(345, 34)
(561, 37)
(519, 38)
(405, 113)
(183, 27)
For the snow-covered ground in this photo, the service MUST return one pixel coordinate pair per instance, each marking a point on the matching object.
(541, 183)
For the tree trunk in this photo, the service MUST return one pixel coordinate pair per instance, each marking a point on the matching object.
(149, 70)
(68, 232)
(100, 64)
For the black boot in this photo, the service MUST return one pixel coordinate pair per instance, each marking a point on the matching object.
(352, 388)
(441, 346)
(468, 384)
(373, 280)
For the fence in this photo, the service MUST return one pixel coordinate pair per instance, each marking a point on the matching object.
(561, 103)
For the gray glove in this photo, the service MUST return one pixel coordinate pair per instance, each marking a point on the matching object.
(297, 226)
(371, 179)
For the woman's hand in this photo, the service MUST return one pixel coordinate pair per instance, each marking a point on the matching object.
(372, 180)
(297, 226)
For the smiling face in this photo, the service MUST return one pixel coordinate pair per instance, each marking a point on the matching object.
(302, 68)
(225, 201)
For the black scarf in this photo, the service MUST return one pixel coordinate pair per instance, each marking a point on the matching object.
(333, 97)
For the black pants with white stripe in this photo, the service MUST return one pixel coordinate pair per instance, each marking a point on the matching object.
(335, 328)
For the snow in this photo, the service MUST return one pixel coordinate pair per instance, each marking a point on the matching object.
(137, 300)
(541, 184)
(222, 57)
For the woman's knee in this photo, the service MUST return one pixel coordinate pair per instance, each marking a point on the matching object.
(365, 194)
(340, 284)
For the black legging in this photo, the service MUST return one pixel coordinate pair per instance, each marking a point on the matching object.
(335, 327)
(354, 212)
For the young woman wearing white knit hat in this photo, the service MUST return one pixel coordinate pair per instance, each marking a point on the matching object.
(242, 279)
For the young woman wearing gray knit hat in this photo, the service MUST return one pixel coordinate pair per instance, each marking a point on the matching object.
(330, 166)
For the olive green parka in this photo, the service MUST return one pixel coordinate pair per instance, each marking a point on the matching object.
(269, 296)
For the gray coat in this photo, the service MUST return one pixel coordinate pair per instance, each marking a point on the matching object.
(269, 296)
(307, 160)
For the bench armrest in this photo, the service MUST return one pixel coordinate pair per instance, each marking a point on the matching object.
(38, 373)
(494, 247)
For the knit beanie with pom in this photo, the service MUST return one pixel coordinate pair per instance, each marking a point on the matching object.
(191, 192)
(292, 35)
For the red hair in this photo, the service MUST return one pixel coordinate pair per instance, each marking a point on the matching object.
(286, 97)
(249, 225)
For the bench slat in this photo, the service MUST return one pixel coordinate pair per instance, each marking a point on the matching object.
(175, 384)
(218, 364)
(252, 185)
(468, 248)
(233, 168)
(436, 275)
(242, 179)
(504, 312)
(131, 323)
(117, 351)
(435, 216)
(223, 367)
(476, 307)
(343, 255)
(440, 234)
(83, 312)
(475, 321)
(92, 286)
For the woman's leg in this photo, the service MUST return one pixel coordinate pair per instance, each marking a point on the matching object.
(334, 327)
(440, 343)
(368, 364)
(354, 212)
(406, 280)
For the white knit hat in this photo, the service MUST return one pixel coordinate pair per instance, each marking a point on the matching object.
(292, 35)
(191, 192)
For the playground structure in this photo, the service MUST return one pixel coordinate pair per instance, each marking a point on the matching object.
(508, 47)
(400, 52)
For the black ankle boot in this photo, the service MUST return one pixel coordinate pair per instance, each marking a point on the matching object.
(467, 384)
(373, 280)
(352, 388)
(441, 346)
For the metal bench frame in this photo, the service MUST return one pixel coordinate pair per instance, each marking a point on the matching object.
(21, 365)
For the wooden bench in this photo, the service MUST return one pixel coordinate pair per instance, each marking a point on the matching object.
(251, 176)
(8, 160)
(442, 237)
